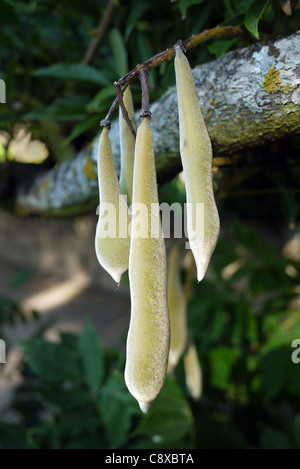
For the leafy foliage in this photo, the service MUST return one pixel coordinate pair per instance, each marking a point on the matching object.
(243, 318)
(43, 49)
(11, 312)
(63, 406)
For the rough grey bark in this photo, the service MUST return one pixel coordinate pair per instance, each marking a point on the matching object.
(249, 97)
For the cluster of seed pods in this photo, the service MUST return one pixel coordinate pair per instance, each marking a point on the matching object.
(158, 332)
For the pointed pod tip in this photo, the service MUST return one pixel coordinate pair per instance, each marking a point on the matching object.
(200, 272)
(202, 263)
(145, 406)
(117, 278)
(199, 278)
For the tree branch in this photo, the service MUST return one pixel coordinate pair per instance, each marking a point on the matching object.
(249, 98)
(169, 54)
(100, 31)
(119, 93)
(166, 56)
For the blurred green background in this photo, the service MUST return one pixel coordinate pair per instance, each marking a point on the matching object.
(243, 317)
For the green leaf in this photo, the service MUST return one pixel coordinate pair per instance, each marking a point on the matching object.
(217, 324)
(69, 340)
(91, 355)
(45, 435)
(253, 16)
(81, 127)
(72, 101)
(276, 367)
(73, 72)
(169, 419)
(137, 10)
(68, 108)
(219, 48)
(252, 332)
(119, 51)
(77, 422)
(48, 114)
(67, 399)
(146, 51)
(118, 407)
(54, 363)
(101, 97)
(235, 20)
(222, 360)
(185, 4)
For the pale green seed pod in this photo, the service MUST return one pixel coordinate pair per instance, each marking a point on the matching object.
(196, 155)
(112, 241)
(193, 372)
(147, 347)
(127, 146)
(177, 309)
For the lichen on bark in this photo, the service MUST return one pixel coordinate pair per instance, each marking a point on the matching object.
(272, 81)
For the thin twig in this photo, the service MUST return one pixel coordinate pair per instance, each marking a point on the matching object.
(119, 93)
(217, 33)
(169, 54)
(107, 120)
(145, 109)
(100, 31)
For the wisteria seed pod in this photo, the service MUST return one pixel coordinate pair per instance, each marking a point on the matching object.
(196, 155)
(177, 309)
(127, 145)
(193, 372)
(147, 347)
(112, 241)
